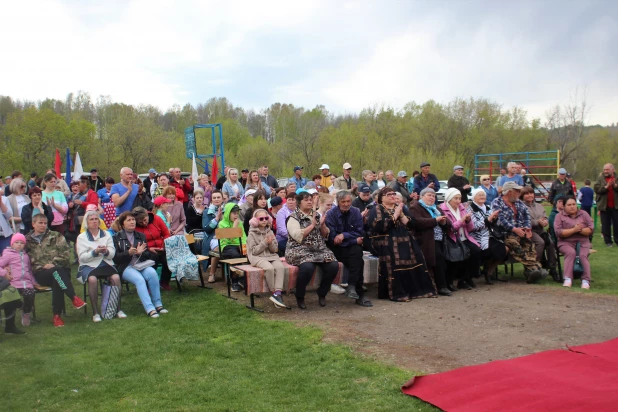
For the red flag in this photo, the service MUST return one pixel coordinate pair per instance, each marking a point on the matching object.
(215, 170)
(57, 164)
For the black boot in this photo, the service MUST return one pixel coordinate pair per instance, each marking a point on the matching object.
(488, 279)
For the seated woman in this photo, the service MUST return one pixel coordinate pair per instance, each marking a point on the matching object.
(573, 226)
(131, 249)
(254, 182)
(210, 219)
(35, 207)
(429, 231)
(540, 237)
(403, 273)
(16, 268)
(262, 253)
(9, 303)
(490, 191)
(195, 212)
(282, 215)
(176, 211)
(155, 231)
(307, 249)
(493, 250)
(462, 225)
(95, 251)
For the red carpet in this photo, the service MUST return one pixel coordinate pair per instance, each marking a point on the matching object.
(582, 378)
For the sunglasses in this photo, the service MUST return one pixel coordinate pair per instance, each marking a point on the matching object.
(263, 218)
(485, 179)
(23, 187)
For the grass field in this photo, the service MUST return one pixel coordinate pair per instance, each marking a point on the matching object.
(208, 353)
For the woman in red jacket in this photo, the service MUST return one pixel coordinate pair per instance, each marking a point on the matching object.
(155, 230)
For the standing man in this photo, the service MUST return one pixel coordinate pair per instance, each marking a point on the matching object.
(606, 188)
(325, 176)
(369, 178)
(96, 183)
(345, 181)
(345, 239)
(244, 177)
(32, 181)
(426, 179)
(561, 186)
(573, 184)
(298, 178)
(148, 182)
(267, 179)
(400, 185)
(389, 176)
(123, 194)
(511, 176)
(526, 179)
(183, 184)
(514, 218)
(502, 173)
(460, 182)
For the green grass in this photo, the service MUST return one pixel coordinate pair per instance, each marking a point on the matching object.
(208, 353)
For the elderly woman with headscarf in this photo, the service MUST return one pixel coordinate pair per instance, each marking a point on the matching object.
(490, 191)
(493, 250)
(462, 225)
(429, 231)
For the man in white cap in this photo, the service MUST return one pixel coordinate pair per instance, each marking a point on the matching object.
(325, 173)
(514, 219)
(345, 181)
(561, 186)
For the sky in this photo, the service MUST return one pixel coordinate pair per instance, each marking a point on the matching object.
(345, 55)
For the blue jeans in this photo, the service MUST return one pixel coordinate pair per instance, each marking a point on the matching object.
(144, 280)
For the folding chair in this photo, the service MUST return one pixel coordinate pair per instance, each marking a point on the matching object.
(230, 233)
(200, 258)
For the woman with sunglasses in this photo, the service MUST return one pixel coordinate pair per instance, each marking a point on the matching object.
(490, 192)
(403, 273)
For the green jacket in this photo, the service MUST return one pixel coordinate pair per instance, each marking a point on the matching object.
(227, 223)
(53, 249)
(601, 192)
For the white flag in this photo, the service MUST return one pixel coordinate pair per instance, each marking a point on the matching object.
(78, 171)
(194, 175)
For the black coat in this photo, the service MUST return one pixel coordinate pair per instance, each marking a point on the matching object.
(458, 182)
(26, 216)
(122, 245)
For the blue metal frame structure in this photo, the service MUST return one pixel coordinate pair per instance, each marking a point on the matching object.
(201, 160)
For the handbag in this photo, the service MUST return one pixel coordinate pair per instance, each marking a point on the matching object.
(455, 251)
(143, 265)
(110, 296)
(578, 268)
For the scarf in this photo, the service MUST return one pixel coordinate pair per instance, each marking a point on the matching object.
(457, 215)
(433, 210)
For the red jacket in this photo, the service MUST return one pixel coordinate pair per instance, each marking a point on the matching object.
(156, 232)
(187, 188)
(91, 199)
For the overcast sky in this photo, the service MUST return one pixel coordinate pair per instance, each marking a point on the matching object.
(346, 55)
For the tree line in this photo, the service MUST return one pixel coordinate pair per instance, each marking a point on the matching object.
(109, 135)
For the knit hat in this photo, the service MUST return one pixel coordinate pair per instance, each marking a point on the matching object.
(451, 193)
(18, 237)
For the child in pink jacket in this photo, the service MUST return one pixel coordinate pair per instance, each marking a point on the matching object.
(15, 267)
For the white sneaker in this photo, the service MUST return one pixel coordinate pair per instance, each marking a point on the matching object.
(567, 283)
(164, 311)
(121, 315)
(585, 284)
(336, 289)
(96, 318)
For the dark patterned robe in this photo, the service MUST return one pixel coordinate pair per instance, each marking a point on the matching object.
(403, 273)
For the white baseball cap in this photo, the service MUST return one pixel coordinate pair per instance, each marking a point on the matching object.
(324, 166)
(347, 166)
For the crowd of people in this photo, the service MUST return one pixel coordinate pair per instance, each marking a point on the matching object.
(117, 232)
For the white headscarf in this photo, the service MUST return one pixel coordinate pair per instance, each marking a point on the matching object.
(473, 196)
(448, 196)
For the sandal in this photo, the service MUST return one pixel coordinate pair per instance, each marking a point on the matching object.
(161, 309)
(404, 299)
(211, 279)
(153, 314)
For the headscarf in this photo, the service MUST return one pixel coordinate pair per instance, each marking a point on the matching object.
(473, 196)
(449, 195)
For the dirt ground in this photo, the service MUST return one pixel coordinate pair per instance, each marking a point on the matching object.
(501, 321)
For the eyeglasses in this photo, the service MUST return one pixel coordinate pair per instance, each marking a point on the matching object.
(263, 218)
(391, 194)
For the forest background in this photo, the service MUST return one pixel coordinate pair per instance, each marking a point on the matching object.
(109, 135)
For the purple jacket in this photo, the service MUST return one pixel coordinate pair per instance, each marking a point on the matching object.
(21, 270)
(467, 227)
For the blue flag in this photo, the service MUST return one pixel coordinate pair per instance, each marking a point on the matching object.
(69, 164)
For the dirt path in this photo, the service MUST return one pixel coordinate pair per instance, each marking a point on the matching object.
(471, 327)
